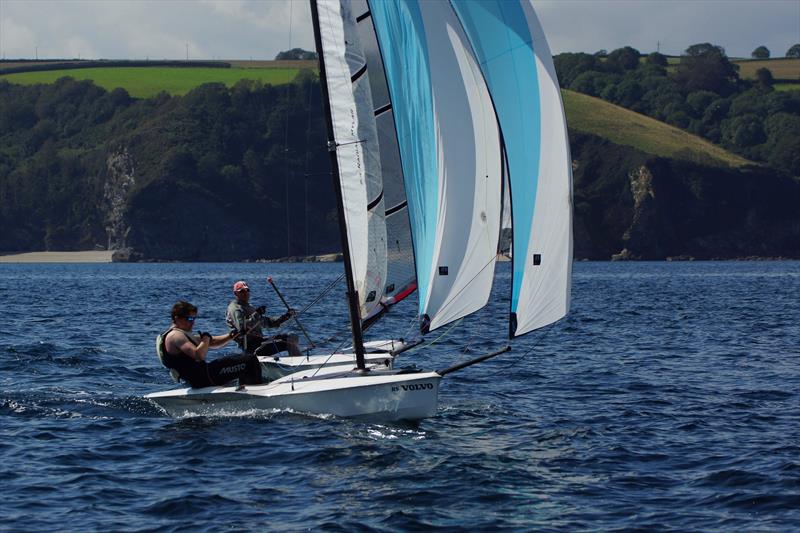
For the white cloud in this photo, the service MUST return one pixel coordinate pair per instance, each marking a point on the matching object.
(241, 29)
(739, 26)
(16, 39)
(232, 29)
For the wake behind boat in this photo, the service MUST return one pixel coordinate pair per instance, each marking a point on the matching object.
(438, 114)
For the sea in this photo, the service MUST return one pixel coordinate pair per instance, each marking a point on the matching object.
(667, 400)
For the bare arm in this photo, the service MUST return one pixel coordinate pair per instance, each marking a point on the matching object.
(217, 341)
(178, 341)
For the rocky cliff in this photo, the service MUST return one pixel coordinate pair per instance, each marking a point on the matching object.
(633, 206)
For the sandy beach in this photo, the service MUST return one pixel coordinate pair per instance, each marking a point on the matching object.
(90, 256)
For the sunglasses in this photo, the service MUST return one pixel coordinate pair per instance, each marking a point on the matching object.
(190, 318)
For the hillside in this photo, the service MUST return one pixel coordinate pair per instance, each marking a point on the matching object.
(81, 167)
(621, 126)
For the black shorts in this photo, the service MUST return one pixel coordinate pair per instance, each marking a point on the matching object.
(245, 368)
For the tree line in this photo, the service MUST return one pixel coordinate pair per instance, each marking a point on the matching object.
(702, 94)
(211, 170)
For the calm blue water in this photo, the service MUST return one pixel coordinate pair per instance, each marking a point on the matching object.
(668, 399)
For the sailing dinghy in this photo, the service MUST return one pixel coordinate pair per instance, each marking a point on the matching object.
(430, 107)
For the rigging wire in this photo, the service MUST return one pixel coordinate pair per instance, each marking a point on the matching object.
(325, 291)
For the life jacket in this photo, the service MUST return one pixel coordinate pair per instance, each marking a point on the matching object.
(161, 351)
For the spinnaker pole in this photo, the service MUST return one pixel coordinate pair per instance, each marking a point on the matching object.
(352, 294)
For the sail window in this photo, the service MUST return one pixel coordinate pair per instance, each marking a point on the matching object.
(371, 296)
(443, 271)
(537, 259)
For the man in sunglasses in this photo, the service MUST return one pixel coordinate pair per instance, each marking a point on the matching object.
(185, 352)
(246, 318)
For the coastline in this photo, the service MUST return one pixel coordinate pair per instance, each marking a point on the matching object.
(88, 256)
(107, 256)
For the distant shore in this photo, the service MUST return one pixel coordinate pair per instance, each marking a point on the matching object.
(89, 256)
(106, 256)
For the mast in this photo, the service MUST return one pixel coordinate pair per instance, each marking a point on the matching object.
(352, 294)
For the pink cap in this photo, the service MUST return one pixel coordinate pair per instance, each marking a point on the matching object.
(240, 286)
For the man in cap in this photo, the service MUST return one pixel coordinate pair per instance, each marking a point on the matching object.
(249, 320)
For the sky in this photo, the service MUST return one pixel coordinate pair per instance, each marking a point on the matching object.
(259, 29)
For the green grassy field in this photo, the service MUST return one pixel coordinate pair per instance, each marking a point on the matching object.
(621, 126)
(781, 68)
(144, 82)
(787, 86)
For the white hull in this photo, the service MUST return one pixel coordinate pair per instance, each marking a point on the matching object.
(378, 354)
(273, 368)
(384, 395)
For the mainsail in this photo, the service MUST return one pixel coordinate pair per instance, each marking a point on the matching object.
(357, 152)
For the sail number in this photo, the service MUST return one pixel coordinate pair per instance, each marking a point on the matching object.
(413, 387)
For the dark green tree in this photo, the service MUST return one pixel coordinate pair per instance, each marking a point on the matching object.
(626, 58)
(743, 131)
(296, 53)
(764, 77)
(571, 65)
(705, 67)
(762, 52)
(657, 59)
(794, 51)
(699, 101)
(593, 83)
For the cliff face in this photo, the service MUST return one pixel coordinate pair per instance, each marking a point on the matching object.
(230, 174)
(120, 178)
(655, 208)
